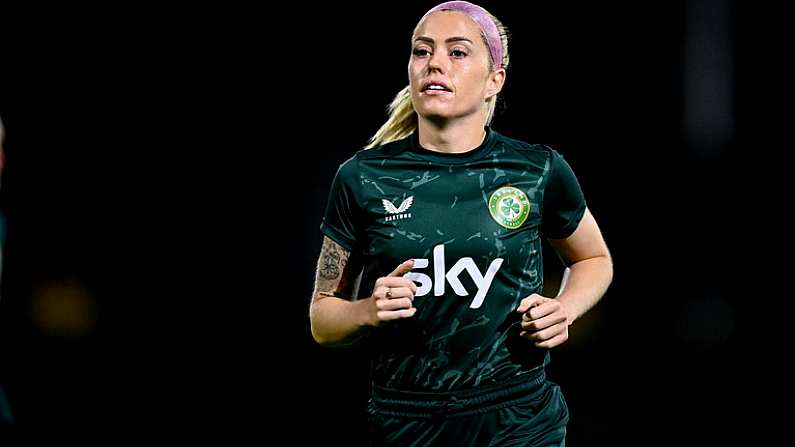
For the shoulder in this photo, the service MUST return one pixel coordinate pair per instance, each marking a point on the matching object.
(533, 151)
(385, 150)
(351, 166)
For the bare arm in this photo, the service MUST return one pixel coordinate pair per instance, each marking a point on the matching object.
(590, 267)
(590, 271)
(335, 318)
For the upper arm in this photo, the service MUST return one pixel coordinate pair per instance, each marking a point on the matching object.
(564, 202)
(337, 271)
(585, 242)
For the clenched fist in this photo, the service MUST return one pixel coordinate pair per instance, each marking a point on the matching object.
(545, 321)
(393, 295)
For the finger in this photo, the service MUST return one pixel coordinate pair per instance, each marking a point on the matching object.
(543, 309)
(554, 341)
(544, 322)
(380, 292)
(394, 304)
(530, 301)
(386, 315)
(392, 281)
(546, 334)
(402, 292)
(383, 291)
(402, 269)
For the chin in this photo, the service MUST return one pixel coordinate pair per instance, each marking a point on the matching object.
(435, 113)
(436, 117)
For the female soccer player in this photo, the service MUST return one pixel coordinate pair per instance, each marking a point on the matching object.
(432, 253)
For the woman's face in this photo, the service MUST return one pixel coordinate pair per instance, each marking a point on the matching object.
(448, 52)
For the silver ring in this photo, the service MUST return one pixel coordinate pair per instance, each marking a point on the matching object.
(389, 292)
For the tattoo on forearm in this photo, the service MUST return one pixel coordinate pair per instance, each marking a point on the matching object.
(331, 263)
(334, 271)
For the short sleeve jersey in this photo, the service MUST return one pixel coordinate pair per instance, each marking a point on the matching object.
(473, 223)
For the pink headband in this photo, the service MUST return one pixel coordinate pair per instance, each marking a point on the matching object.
(481, 17)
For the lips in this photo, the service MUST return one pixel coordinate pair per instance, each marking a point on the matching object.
(435, 86)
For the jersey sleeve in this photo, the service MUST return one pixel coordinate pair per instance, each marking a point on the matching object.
(342, 218)
(564, 202)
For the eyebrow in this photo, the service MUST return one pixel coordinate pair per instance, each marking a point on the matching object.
(448, 40)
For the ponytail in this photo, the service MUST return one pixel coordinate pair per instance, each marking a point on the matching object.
(401, 123)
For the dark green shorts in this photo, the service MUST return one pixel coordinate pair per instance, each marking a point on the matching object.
(527, 411)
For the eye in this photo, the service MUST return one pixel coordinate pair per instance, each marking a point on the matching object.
(458, 53)
(420, 52)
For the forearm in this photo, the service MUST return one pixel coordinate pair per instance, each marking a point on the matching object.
(338, 321)
(586, 284)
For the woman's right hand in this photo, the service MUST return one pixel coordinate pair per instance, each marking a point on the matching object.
(393, 295)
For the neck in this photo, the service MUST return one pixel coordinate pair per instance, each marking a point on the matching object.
(451, 136)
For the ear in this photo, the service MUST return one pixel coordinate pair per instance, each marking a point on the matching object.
(495, 82)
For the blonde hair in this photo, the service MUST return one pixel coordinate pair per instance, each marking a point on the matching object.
(402, 120)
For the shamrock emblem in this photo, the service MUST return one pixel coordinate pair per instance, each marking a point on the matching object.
(510, 207)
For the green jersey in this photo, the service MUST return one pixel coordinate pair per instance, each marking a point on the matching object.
(473, 223)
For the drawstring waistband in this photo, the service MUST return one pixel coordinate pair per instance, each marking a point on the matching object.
(479, 400)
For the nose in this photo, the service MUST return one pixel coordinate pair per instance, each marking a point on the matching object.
(437, 61)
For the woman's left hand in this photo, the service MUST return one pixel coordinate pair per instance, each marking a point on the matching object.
(545, 321)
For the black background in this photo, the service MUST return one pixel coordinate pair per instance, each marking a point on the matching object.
(177, 163)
